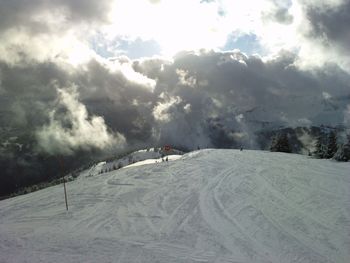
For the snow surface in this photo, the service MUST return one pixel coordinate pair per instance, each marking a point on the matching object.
(152, 161)
(208, 206)
(133, 159)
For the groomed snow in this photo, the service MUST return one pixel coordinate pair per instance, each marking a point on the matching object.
(153, 161)
(208, 206)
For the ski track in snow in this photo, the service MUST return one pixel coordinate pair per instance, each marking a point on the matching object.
(208, 206)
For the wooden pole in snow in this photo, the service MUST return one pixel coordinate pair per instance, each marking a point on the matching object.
(65, 192)
(64, 185)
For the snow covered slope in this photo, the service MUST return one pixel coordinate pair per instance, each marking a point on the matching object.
(136, 158)
(208, 206)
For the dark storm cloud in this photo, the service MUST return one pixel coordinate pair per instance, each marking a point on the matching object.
(32, 100)
(229, 93)
(200, 99)
(330, 25)
(150, 67)
(74, 129)
(26, 14)
(26, 89)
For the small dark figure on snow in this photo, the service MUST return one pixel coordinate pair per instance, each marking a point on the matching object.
(166, 159)
(241, 149)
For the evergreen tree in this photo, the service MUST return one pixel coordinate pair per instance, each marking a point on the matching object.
(280, 143)
(343, 153)
(320, 148)
(332, 146)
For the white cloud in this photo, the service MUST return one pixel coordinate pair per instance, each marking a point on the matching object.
(137, 78)
(163, 110)
(304, 122)
(187, 108)
(238, 135)
(239, 118)
(76, 129)
(175, 25)
(67, 47)
(326, 95)
(185, 78)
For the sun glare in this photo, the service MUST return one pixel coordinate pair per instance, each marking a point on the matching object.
(175, 25)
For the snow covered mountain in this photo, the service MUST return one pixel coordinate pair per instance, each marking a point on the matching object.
(207, 206)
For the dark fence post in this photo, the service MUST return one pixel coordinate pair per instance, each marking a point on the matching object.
(65, 192)
(64, 185)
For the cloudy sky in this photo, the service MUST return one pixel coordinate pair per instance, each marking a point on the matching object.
(81, 74)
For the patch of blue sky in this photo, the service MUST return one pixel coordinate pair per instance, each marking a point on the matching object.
(132, 48)
(248, 44)
(139, 48)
